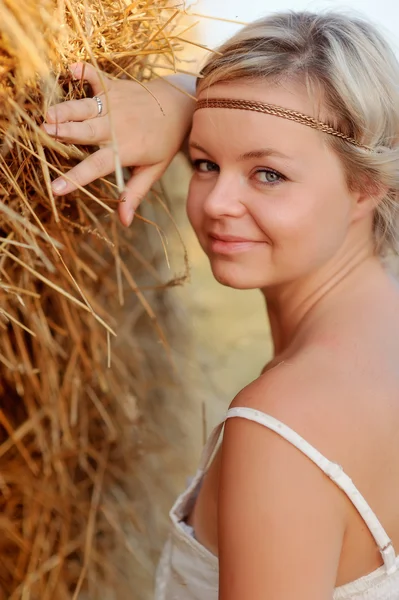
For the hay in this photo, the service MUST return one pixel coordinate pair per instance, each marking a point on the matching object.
(70, 426)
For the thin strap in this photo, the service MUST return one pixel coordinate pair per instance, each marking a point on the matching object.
(333, 471)
(209, 447)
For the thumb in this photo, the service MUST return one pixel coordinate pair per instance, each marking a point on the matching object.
(136, 189)
(97, 79)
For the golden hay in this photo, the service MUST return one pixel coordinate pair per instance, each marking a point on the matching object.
(70, 432)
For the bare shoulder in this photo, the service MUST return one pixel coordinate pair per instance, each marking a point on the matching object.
(348, 411)
(305, 394)
(308, 394)
(343, 407)
(268, 485)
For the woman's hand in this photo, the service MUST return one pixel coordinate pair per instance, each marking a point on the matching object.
(147, 135)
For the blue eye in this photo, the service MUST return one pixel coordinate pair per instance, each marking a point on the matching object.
(268, 176)
(205, 166)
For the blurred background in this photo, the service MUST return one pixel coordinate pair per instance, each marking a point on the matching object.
(384, 13)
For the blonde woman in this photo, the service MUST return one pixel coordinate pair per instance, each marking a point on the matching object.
(295, 148)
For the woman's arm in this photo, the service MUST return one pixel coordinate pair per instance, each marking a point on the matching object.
(281, 520)
(149, 131)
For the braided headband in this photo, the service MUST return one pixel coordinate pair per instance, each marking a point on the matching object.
(276, 111)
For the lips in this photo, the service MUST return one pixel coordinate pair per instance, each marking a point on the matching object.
(230, 244)
(229, 238)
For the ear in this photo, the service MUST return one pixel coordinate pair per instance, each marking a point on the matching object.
(367, 196)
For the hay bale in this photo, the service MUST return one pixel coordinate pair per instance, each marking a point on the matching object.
(72, 432)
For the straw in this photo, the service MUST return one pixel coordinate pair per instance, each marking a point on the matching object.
(71, 278)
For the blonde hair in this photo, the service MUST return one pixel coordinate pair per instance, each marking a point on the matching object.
(347, 60)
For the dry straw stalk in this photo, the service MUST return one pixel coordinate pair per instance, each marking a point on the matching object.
(70, 431)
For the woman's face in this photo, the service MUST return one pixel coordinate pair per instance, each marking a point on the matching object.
(268, 199)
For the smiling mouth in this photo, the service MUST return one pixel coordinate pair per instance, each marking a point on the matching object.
(229, 244)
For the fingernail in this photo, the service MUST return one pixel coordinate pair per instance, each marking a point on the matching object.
(49, 128)
(59, 185)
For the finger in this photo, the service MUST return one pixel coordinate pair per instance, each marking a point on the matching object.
(136, 189)
(99, 164)
(75, 110)
(98, 80)
(91, 132)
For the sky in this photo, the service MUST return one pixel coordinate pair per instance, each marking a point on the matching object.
(384, 13)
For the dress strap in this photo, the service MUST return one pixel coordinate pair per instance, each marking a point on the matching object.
(209, 448)
(333, 471)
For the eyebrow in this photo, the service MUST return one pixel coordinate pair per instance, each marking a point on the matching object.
(198, 147)
(261, 153)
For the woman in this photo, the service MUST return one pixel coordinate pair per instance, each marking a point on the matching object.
(294, 143)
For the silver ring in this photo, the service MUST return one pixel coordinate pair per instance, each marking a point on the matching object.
(99, 105)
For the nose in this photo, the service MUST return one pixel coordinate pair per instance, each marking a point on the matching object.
(225, 198)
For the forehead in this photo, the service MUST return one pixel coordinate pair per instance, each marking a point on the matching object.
(244, 128)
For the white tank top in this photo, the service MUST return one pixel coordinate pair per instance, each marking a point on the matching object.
(188, 571)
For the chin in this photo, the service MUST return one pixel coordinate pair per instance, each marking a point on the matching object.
(236, 277)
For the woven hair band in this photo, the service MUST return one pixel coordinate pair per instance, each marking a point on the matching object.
(277, 111)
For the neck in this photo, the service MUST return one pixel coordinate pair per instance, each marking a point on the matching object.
(294, 306)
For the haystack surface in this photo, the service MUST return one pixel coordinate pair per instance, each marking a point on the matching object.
(71, 391)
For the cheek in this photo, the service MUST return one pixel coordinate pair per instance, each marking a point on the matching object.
(304, 223)
(191, 205)
(282, 216)
(194, 206)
